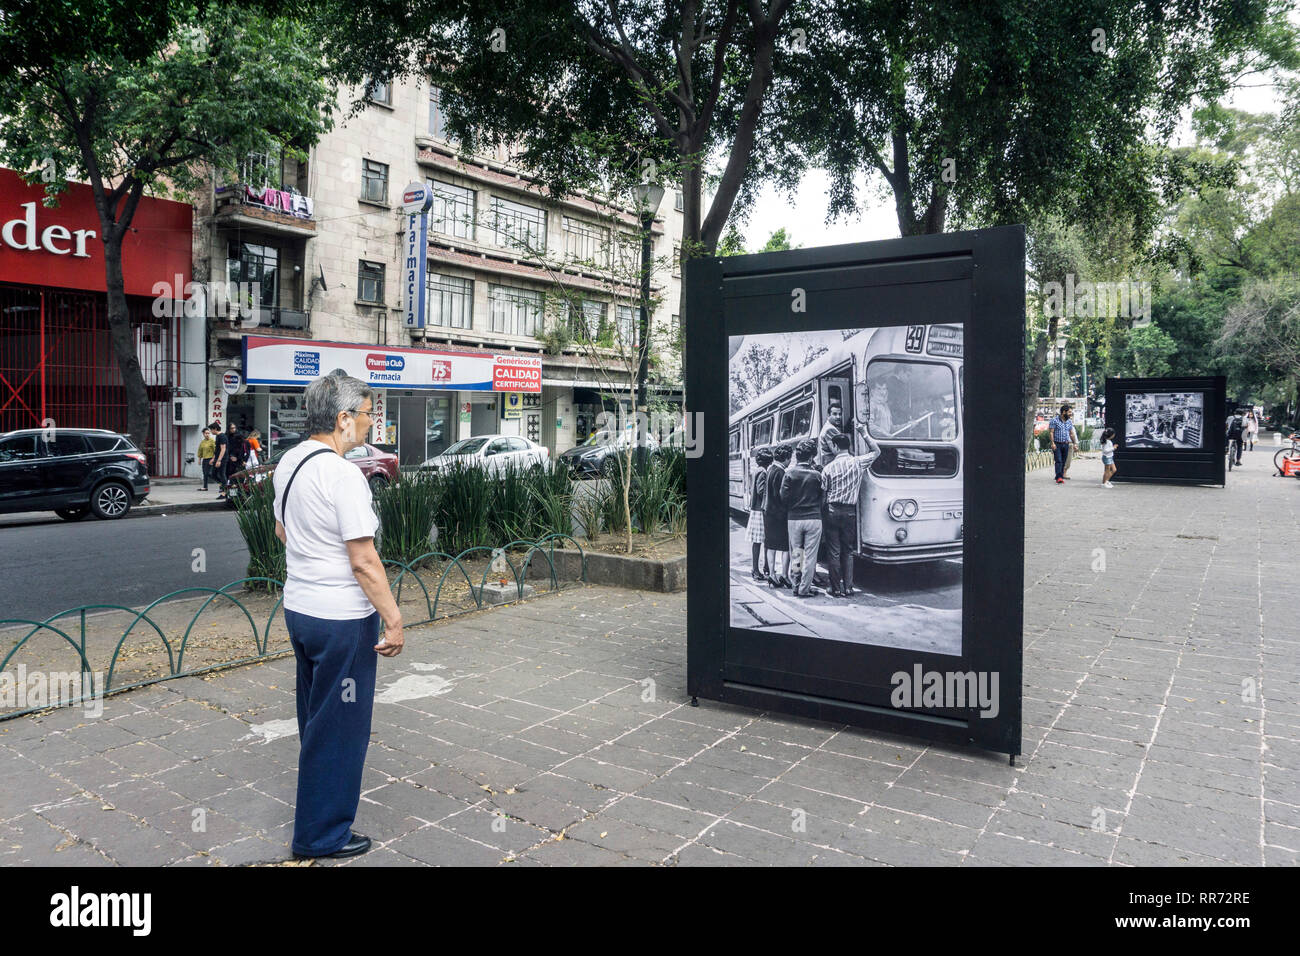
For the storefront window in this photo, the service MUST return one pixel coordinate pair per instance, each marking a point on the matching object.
(438, 428)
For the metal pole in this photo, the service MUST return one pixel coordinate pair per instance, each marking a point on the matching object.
(643, 362)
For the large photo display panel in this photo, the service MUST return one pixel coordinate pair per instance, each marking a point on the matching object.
(854, 557)
(1168, 429)
(850, 437)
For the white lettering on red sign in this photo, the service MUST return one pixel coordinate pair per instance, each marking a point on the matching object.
(441, 370)
(51, 234)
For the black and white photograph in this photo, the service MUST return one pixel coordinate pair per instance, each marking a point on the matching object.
(1164, 419)
(845, 485)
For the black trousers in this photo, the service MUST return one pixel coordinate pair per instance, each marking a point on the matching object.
(207, 472)
(840, 533)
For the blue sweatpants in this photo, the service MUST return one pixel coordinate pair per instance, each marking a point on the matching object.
(336, 694)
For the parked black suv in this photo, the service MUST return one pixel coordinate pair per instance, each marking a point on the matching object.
(72, 472)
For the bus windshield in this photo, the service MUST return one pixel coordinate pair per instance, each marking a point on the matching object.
(911, 400)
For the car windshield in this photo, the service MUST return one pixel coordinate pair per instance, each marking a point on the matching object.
(911, 400)
(466, 446)
(600, 438)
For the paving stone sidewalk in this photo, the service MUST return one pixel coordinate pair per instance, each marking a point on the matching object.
(1162, 726)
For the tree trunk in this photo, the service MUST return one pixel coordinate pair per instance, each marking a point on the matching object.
(627, 495)
(1034, 378)
(123, 342)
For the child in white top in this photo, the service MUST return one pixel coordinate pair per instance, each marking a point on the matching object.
(1108, 456)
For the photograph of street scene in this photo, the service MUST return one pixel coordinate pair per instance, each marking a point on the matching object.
(1164, 420)
(845, 485)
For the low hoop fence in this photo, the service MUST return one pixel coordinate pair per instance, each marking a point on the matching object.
(168, 639)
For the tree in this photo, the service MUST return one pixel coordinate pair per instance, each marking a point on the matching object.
(733, 243)
(1266, 323)
(131, 117)
(556, 80)
(998, 111)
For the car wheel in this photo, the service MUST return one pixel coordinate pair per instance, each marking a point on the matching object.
(608, 467)
(111, 500)
(72, 514)
(377, 484)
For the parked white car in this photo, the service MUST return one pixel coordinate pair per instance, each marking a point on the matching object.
(496, 453)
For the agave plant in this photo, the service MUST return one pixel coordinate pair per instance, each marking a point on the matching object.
(256, 518)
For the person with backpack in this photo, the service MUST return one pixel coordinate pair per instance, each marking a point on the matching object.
(1236, 433)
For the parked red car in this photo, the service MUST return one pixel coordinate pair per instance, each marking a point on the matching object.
(379, 467)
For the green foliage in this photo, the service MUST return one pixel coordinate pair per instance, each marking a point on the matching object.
(256, 519)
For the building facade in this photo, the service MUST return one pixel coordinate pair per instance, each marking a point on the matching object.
(58, 367)
(311, 256)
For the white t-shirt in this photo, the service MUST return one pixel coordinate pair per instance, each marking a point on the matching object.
(1108, 447)
(328, 506)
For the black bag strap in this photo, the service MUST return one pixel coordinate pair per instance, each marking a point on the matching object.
(284, 500)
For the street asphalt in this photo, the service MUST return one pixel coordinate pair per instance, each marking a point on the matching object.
(1161, 708)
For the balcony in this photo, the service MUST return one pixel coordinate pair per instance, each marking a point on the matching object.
(294, 322)
(265, 208)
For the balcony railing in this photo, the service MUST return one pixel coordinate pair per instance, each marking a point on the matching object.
(285, 202)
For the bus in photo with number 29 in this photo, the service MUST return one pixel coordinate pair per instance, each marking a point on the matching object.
(904, 384)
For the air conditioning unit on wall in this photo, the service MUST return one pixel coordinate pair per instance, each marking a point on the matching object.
(187, 411)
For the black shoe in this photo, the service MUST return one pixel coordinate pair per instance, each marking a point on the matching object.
(355, 846)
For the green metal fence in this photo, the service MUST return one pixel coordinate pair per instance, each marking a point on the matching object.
(545, 547)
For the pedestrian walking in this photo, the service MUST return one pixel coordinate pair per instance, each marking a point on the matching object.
(758, 494)
(843, 478)
(803, 491)
(1108, 447)
(776, 531)
(254, 442)
(1252, 429)
(1064, 438)
(207, 451)
(236, 451)
(335, 596)
(219, 461)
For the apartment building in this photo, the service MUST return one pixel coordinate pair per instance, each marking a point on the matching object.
(515, 278)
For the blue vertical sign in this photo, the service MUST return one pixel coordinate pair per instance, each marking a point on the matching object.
(416, 200)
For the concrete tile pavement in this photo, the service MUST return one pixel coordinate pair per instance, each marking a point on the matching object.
(1161, 716)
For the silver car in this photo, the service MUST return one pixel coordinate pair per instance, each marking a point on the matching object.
(495, 453)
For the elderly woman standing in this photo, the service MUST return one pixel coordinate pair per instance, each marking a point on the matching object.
(334, 599)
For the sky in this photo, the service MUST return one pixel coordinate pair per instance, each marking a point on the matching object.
(803, 215)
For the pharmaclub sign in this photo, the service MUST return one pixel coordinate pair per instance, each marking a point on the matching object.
(856, 520)
(271, 361)
(416, 200)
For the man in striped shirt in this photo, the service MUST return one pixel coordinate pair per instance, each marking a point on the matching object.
(843, 478)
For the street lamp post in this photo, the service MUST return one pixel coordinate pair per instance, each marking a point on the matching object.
(648, 197)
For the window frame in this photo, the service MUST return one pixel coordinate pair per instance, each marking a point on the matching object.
(370, 92)
(368, 167)
(434, 286)
(377, 275)
(511, 298)
(518, 212)
(444, 198)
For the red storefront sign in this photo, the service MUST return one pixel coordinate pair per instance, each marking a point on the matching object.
(511, 374)
(62, 247)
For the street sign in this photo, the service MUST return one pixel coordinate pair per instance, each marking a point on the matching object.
(417, 198)
(232, 383)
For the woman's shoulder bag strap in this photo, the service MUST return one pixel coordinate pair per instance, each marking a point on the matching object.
(284, 500)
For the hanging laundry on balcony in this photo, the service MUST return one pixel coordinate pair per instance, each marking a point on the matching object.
(302, 206)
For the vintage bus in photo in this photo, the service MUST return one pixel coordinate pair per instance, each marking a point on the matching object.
(904, 385)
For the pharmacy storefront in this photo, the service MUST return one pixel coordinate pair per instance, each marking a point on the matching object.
(425, 399)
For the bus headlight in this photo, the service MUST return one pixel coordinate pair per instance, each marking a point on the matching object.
(902, 508)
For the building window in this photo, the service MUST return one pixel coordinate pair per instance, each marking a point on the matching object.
(587, 321)
(678, 203)
(585, 243)
(380, 91)
(374, 181)
(370, 281)
(259, 266)
(452, 212)
(437, 116)
(514, 311)
(677, 260)
(627, 318)
(518, 226)
(450, 301)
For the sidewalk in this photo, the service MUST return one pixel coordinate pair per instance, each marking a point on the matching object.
(1162, 726)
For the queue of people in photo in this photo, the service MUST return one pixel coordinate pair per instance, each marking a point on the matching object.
(796, 507)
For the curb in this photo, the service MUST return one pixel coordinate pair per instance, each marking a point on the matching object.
(144, 511)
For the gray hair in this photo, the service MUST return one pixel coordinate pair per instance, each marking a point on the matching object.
(330, 394)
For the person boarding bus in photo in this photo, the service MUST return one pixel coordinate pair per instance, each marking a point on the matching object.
(834, 426)
(843, 478)
(335, 597)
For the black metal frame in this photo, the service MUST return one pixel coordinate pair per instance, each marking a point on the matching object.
(975, 278)
(1196, 466)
